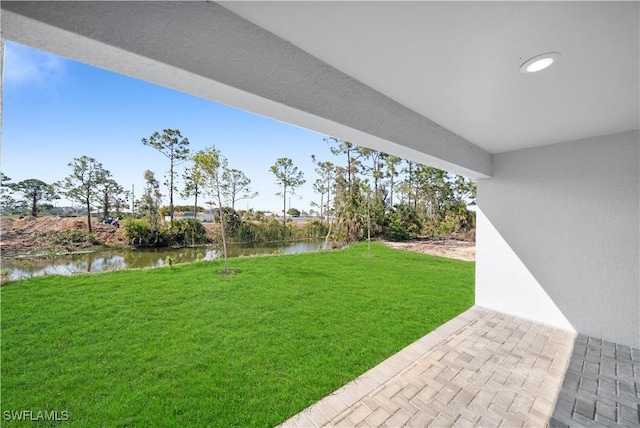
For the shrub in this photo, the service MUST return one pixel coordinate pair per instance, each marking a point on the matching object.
(404, 223)
(140, 233)
(137, 230)
(188, 231)
(181, 232)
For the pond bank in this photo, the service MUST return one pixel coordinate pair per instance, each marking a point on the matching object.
(107, 260)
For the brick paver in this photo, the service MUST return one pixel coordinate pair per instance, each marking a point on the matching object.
(483, 368)
(601, 387)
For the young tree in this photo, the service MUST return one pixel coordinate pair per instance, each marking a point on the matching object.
(175, 148)
(211, 162)
(81, 185)
(236, 186)
(320, 188)
(151, 199)
(366, 189)
(288, 177)
(35, 191)
(193, 183)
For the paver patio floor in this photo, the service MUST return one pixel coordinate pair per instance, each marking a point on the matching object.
(486, 368)
(483, 368)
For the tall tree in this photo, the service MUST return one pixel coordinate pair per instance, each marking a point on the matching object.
(391, 163)
(327, 175)
(236, 186)
(353, 155)
(465, 189)
(35, 191)
(434, 188)
(288, 177)
(410, 182)
(174, 147)
(374, 169)
(81, 185)
(4, 180)
(7, 203)
(151, 199)
(320, 187)
(349, 200)
(109, 195)
(193, 183)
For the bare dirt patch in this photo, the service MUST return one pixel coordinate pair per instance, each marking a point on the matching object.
(450, 248)
(33, 235)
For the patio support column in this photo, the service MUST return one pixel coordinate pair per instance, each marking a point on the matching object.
(558, 236)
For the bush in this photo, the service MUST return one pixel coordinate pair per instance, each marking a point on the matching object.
(404, 223)
(397, 232)
(188, 231)
(140, 233)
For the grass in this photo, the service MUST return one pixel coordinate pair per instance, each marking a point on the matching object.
(183, 346)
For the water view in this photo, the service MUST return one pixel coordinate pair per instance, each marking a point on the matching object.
(147, 258)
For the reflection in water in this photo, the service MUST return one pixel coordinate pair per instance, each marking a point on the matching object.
(131, 259)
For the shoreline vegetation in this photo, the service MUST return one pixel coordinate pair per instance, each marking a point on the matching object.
(57, 240)
(178, 344)
(52, 236)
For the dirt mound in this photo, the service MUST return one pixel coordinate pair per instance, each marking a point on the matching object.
(31, 234)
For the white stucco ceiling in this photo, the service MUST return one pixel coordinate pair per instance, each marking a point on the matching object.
(457, 63)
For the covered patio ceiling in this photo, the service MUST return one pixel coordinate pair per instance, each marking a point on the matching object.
(457, 63)
(436, 82)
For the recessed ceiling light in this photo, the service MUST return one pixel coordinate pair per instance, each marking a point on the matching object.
(540, 62)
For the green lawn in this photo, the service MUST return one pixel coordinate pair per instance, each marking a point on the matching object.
(187, 347)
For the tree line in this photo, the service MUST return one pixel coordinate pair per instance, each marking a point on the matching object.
(360, 192)
(369, 193)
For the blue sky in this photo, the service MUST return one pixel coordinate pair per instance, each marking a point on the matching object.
(55, 109)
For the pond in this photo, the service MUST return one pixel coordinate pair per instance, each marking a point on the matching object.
(143, 258)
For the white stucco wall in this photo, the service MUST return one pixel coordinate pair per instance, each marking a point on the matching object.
(558, 236)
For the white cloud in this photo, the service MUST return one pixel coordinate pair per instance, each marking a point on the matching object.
(24, 65)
